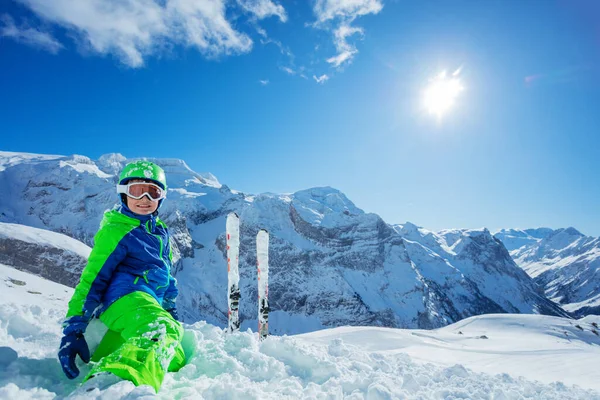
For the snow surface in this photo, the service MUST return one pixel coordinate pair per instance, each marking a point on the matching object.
(9, 158)
(520, 357)
(44, 238)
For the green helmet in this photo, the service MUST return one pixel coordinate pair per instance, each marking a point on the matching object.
(143, 170)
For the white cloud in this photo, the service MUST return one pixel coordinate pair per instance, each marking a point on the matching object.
(341, 58)
(264, 82)
(267, 40)
(345, 9)
(261, 32)
(263, 9)
(341, 13)
(321, 79)
(31, 36)
(345, 50)
(288, 70)
(135, 29)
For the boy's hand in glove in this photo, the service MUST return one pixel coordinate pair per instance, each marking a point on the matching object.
(71, 345)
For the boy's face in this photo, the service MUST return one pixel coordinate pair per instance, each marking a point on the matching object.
(143, 206)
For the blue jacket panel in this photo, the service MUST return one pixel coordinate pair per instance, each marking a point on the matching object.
(147, 263)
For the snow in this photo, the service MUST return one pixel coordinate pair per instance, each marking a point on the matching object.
(325, 206)
(8, 158)
(186, 193)
(566, 264)
(43, 237)
(523, 357)
(542, 348)
(84, 168)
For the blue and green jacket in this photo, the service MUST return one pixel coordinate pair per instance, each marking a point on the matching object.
(131, 253)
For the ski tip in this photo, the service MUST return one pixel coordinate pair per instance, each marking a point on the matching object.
(263, 230)
(233, 214)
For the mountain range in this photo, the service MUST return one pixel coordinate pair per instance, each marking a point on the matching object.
(331, 264)
(564, 262)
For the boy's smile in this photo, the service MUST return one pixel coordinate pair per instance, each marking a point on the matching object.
(143, 206)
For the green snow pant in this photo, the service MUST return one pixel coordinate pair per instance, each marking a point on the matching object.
(143, 341)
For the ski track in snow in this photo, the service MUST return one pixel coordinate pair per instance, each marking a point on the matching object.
(346, 362)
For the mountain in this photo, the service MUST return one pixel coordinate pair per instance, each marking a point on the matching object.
(566, 264)
(331, 264)
(496, 356)
(516, 238)
(476, 254)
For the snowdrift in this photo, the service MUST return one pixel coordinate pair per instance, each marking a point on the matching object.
(485, 357)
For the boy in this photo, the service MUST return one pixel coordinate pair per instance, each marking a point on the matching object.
(128, 285)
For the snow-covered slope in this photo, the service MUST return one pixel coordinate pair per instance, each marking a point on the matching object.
(566, 264)
(496, 356)
(49, 254)
(478, 256)
(516, 238)
(331, 263)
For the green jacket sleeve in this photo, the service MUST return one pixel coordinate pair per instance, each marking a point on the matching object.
(106, 254)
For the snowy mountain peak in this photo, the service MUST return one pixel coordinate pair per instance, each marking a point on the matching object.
(409, 228)
(83, 165)
(111, 163)
(572, 232)
(324, 206)
(9, 158)
(179, 174)
(540, 233)
(561, 239)
(516, 238)
(483, 233)
(410, 231)
(469, 238)
(564, 262)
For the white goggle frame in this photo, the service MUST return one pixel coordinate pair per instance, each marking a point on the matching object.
(125, 190)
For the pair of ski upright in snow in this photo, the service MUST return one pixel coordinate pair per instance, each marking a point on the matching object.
(233, 276)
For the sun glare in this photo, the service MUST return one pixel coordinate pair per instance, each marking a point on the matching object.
(441, 93)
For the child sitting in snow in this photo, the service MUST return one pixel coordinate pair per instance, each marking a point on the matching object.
(127, 284)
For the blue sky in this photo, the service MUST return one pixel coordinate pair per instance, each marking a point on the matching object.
(282, 96)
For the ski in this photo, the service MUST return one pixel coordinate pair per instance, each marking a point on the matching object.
(262, 262)
(233, 273)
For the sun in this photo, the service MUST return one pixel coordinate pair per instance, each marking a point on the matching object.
(441, 94)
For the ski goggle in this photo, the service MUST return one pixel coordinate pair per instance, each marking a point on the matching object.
(137, 190)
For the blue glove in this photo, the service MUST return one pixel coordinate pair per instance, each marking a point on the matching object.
(173, 312)
(71, 345)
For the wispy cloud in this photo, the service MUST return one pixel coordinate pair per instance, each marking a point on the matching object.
(267, 40)
(263, 9)
(321, 79)
(345, 50)
(342, 13)
(345, 9)
(264, 82)
(28, 35)
(135, 29)
(288, 70)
